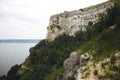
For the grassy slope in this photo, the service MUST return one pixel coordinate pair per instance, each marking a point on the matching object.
(103, 44)
(104, 49)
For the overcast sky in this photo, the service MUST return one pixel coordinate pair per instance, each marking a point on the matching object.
(28, 19)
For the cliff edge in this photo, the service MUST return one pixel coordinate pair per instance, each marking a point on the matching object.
(73, 21)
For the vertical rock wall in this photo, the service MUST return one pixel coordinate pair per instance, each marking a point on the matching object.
(71, 22)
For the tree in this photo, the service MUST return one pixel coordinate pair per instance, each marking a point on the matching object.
(3, 77)
(12, 73)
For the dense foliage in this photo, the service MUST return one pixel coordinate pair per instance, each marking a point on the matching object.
(47, 57)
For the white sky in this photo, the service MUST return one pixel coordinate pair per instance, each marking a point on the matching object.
(28, 19)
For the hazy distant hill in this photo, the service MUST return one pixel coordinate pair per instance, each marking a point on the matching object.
(20, 41)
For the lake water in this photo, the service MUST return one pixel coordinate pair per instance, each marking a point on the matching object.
(13, 53)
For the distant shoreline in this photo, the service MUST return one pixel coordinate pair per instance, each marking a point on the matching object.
(20, 40)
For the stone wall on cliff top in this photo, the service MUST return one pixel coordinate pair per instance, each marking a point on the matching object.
(73, 21)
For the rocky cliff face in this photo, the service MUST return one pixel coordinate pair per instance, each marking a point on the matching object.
(74, 65)
(73, 21)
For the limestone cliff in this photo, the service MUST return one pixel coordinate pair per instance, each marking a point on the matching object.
(73, 21)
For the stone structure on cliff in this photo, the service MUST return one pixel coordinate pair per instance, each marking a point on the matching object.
(73, 21)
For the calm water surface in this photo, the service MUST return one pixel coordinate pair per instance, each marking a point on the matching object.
(13, 53)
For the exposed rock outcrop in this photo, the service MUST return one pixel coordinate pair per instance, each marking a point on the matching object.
(73, 21)
(69, 65)
(74, 64)
(81, 67)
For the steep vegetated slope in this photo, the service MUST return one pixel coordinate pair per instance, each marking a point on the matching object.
(95, 54)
